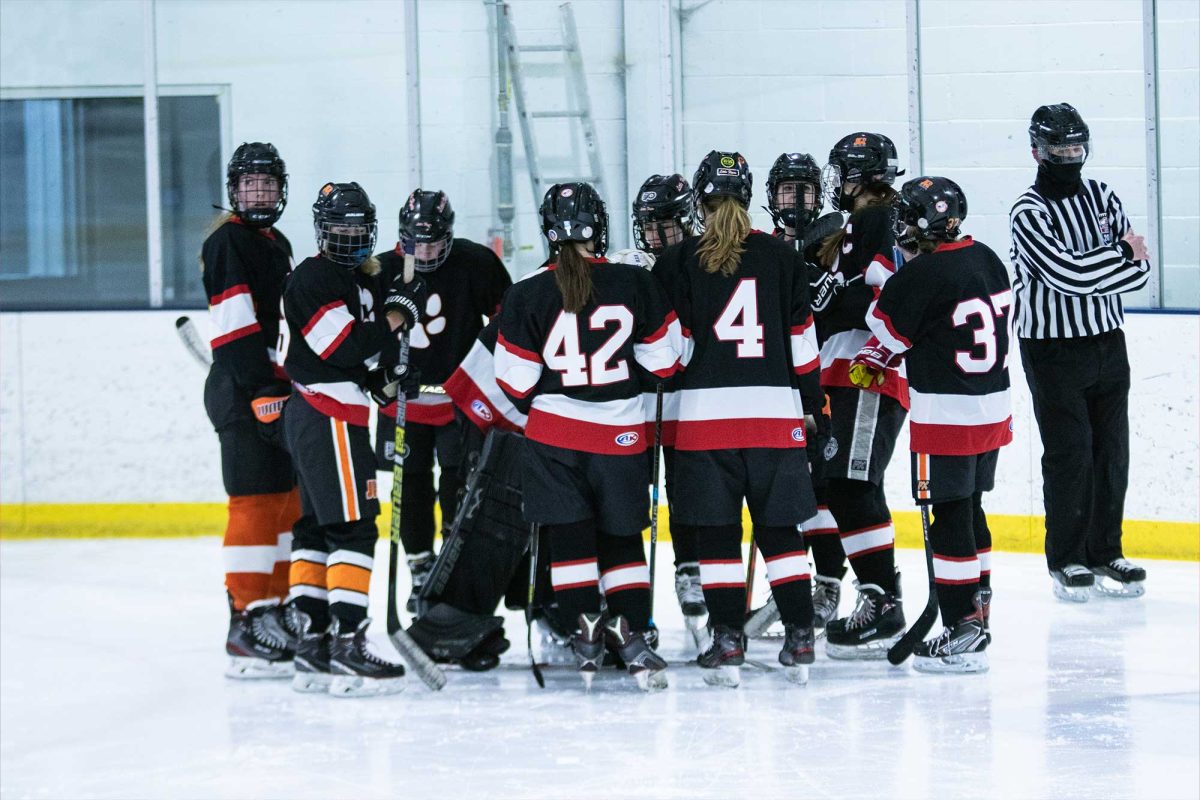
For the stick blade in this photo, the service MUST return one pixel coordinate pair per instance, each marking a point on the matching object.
(430, 673)
(899, 652)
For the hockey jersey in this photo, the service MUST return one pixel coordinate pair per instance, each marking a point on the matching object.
(865, 264)
(752, 349)
(335, 337)
(575, 374)
(461, 294)
(473, 389)
(244, 272)
(949, 311)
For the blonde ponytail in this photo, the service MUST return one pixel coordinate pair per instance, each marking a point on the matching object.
(726, 226)
(573, 276)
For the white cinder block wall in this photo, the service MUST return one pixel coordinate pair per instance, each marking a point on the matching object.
(105, 407)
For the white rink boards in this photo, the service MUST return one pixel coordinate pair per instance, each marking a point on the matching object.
(111, 658)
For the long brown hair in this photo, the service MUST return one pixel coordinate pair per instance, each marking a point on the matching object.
(726, 226)
(573, 276)
(873, 194)
(217, 222)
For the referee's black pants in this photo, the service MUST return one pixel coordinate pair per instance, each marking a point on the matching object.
(1080, 393)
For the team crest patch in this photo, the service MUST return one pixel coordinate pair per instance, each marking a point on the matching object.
(1105, 230)
(831, 448)
(372, 490)
(941, 206)
(566, 192)
(648, 196)
(480, 409)
(627, 439)
(798, 434)
(727, 161)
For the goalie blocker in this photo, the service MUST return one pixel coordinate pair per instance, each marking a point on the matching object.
(480, 563)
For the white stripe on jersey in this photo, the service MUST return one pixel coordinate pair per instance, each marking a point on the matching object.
(328, 327)
(479, 366)
(514, 370)
(959, 409)
(629, 412)
(670, 411)
(740, 402)
(661, 356)
(844, 345)
(348, 393)
(805, 353)
(233, 312)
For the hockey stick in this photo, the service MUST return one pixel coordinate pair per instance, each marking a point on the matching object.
(429, 673)
(903, 648)
(192, 341)
(750, 574)
(534, 535)
(658, 401)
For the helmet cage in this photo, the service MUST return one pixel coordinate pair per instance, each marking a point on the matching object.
(344, 223)
(789, 174)
(256, 158)
(427, 228)
(664, 209)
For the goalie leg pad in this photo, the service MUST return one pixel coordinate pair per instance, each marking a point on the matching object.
(450, 634)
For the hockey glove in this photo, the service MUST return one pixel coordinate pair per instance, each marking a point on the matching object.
(868, 365)
(634, 258)
(406, 299)
(267, 406)
(824, 289)
(382, 385)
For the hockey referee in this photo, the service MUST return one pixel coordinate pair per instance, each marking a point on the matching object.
(1074, 254)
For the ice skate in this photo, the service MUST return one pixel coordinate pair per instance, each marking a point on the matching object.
(827, 595)
(312, 654)
(647, 667)
(256, 646)
(960, 649)
(1073, 583)
(420, 565)
(797, 653)
(1119, 578)
(588, 644)
(876, 624)
(357, 672)
(690, 593)
(722, 661)
(761, 619)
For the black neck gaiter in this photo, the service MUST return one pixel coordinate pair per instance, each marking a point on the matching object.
(1058, 181)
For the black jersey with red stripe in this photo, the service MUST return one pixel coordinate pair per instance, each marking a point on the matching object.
(335, 336)
(752, 348)
(244, 272)
(949, 311)
(576, 374)
(462, 294)
(473, 388)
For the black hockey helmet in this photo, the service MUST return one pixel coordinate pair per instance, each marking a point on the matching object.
(722, 174)
(427, 224)
(935, 207)
(801, 170)
(574, 212)
(262, 159)
(861, 158)
(664, 206)
(345, 224)
(1059, 135)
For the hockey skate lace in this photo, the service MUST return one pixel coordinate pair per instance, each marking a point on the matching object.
(824, 597)
(864, 612)
(689, 589)
(369, 655)
(264, 634)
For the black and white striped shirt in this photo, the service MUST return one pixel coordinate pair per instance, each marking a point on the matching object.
(1070, 270)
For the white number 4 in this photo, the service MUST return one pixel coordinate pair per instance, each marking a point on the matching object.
(739, 321)
(563, 354)
(985, 334)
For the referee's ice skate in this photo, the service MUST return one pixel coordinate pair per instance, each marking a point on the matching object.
(1073, 583)
(1119, 578)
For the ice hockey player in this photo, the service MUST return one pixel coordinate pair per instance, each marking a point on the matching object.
(464, 282)
(740, 436)
(794, 200)
(866, 418)
(663, 214)
(246, 262)
(948, 310)
(568, 340)
(341, 340)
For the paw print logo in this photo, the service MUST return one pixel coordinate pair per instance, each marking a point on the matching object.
(431, 324)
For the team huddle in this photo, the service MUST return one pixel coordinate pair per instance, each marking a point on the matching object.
(766, 372)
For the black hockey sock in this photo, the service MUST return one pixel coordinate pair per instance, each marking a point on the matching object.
(306, 574)
(983, 540)
(787, 572)
(683, 538)
(821, 536)
(348, 570)
(719, 548)
(865, 526)
(573, 570)
(416, 512)
(955, 563)
(625, 578)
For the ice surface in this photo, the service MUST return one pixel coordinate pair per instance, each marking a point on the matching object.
(111, 658)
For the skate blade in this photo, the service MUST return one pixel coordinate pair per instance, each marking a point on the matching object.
(1110, 587)
(651, 680)
(247, 668)
(311, 682)
(728, 676)
(962, 664)
(797, 674)
(358, 686)
(588, 676)
(875, 650)
(1072, 594)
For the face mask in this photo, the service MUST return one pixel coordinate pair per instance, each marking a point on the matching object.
(1058, 181)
